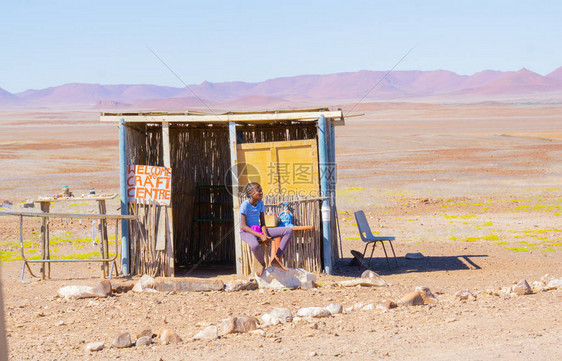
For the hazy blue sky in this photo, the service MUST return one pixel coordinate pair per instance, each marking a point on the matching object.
(48, 43)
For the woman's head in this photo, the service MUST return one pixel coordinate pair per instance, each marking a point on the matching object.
(253, 191)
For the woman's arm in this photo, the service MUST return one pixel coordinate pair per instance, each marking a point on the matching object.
(263, 227)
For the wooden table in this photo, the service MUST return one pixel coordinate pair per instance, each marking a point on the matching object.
(45, 204)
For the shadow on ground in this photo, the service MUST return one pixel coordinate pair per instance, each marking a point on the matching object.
(206, 270)
(428, 264)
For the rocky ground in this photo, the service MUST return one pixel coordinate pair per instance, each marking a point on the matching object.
(476, 189)
(496, 324)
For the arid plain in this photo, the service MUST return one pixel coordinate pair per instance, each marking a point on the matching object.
(477, 188)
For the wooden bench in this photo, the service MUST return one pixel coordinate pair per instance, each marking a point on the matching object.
(269, 249)
(276, 242)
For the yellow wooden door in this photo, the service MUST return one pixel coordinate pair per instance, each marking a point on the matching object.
(289, 167)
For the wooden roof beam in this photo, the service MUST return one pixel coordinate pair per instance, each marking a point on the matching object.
(337, 115)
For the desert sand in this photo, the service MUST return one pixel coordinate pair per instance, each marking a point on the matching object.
(476, 188)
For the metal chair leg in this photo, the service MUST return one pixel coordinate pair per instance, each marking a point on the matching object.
(387, 261)
(362, 260)
(372, 251)
(395, 259)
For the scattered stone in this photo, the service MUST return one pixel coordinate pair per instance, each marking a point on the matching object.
(465, 295)
(241, 285)
(210, 333)
(121, 287)
(538, 286)
(103, 289)
(95, 346)
(387, 305)
(370, 274)
(145, 332)
(312, 354)
(186, 284)
(492, 292)
(258, 332)
(277, 278)
(522, 288)
(144, 284)
(416, 256)
(367, 282)
(122, 340)
(243, 324)
(277, 316)
(227, 326)
(335, 308)
(368, 307)
(60, 323)
(144, 341)
(426, 294)
(355, 307)
(554, 283)
(450, 320)
(411, 299)
(240, 324)
(315, 312)
(168, 336)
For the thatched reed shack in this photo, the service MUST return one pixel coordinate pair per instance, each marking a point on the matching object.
(211, 158)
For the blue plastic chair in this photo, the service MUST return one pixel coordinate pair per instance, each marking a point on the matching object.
(368, 237)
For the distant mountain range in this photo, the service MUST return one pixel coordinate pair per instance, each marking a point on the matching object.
(303, 90)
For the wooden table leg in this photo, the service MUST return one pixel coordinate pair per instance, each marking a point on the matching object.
(104, 240)
(45, 253)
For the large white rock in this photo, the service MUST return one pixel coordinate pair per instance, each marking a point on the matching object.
(313, 312)
(276, 278)
(103, 289)
(68, 292)
(144, 284)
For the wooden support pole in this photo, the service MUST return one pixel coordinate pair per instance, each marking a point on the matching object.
(124, 201)
(166, 214)
(332, 186)
(45, 254)
(235, 199)
(325, 192)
